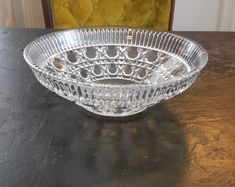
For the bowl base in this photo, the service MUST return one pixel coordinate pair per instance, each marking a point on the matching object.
(123, 114)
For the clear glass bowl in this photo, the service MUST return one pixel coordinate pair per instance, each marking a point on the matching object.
(115, 71)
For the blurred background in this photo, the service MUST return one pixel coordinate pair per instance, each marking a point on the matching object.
(176, 15)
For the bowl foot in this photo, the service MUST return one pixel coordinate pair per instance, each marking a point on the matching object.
(112, 114)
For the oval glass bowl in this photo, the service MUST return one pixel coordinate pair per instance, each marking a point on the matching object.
(115, 71)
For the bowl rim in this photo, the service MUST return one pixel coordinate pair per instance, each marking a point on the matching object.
(128, 86)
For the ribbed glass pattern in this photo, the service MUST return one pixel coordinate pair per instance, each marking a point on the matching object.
(115, 71)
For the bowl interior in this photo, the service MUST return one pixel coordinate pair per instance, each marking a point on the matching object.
(117, 64)
(116, 55)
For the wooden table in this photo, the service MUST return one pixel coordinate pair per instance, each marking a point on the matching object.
(48, 141)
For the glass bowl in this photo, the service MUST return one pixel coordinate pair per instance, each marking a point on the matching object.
(115, 71)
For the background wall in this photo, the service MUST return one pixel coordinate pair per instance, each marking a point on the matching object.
(203, 15)
(21, 13)
(207, 15)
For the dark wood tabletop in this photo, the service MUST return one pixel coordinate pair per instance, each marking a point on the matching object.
(47, 141)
